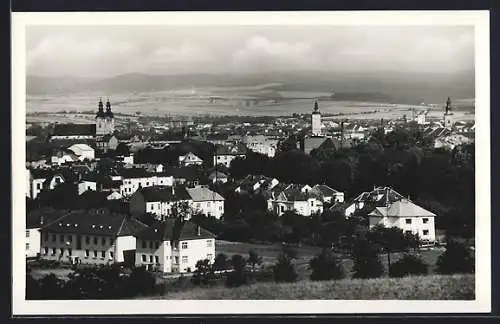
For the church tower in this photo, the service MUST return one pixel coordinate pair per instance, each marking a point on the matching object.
(316, 120)
(109, 119)
(448, 115)
(100, 119)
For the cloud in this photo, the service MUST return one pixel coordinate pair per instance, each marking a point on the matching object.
(184, 57)
(260, 52)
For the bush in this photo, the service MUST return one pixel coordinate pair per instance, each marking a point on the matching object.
(325, 266)
(284, 271)
(408, 265)
(239, 275)
(254, 259)
(204, 274)
(456, 259)
(366, 261)
(140, 281)
(221, 263)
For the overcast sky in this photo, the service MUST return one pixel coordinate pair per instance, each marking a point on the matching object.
(111, 50)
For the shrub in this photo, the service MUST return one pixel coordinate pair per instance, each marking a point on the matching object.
(284, 271)
(239, 275)
(325, 266)
(254, 259)
(140, 281)
(204, 273)
(221, 262)
(408, 265)
(366, 261)
(456, 259)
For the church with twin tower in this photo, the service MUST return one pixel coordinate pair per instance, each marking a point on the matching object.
(105, 121)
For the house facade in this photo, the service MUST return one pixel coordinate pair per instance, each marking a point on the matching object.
(296, 198)
(174, 247)
(407, 216)
(135, 178)
(160, 201)
(206, 201)
(190, 159)
(90, 237)
(43, 179)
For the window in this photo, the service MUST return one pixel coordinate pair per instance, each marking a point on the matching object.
(45, 251)
(61, 252)
(95, 240)
(53, 251)
(220, 208)
(209, 256)
(27, 246)
(209, 243)
(111, 254)
(103, 241)
(208, 204)
(70, 252)
(27, 233)
(143, 258)
(408, 221)
(157, 259)
(426, 232)
(184, 245)
(166, 243)
(103, 254)
(87, 239)
(95, 254)
(176, 260)
(61, 238)
(144, 244)
(87, 253)
(184, 259)
(151, 259)
(312, 203)
(425, 220)
(39, 186)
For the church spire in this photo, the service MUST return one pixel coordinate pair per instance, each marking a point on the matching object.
(316, 108)
(100, 109)
(448, 106)
(109, 113)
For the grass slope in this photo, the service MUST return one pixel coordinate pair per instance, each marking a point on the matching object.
(455, 287)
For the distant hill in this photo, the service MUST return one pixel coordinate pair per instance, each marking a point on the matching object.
(403, 87)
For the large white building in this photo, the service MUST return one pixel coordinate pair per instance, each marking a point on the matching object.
(135, 178)
(174, 247)
(407, 216)
(90, 237)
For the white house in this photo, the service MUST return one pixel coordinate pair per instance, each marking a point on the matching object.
(40, 179)
(87, 182)
(262, 144)
(255, 183)
(206, 201)
(299, 199)
(135, 178)
(62, 157)
(174, 247)
(83, 151)
(225, 154)
(158, 200)
(189, 159)
(328, 194)
(407, 216)
(90, 237)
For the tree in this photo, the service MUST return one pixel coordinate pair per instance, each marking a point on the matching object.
(122, 149)
(366, 260)
(203, 274)
(33, 289)
(326, 266)
(254, 259)
(455, 259)
(239, 274)
(408, 265)
(283, 270)
(390, 240)
(221, 263)
(140, 281)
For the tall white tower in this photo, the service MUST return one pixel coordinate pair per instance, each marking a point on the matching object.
(316, 120)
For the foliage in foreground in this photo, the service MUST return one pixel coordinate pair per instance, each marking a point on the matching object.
(366, 261)
(326, 266)
(409, 264)
(455, 259)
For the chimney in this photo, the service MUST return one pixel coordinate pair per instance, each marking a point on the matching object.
(198, 229)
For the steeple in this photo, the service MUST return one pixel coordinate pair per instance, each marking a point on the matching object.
(448, 106)
(316, 108)
(109, 113)
(100, 109)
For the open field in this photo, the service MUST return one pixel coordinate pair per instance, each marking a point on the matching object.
(455, 287)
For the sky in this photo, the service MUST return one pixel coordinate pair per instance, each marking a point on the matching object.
(105, 51)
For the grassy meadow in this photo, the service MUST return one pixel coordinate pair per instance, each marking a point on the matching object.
(433, 287)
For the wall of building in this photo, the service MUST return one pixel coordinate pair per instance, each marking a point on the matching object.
(86, 185)
(209, 208)
(155, 255)
(124, 243)
(188, 257)
(426, 231)
(32, 242)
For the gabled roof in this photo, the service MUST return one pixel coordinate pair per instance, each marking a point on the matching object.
(401, 208)
(74, 129)
(220, 175)
(379, 196)
(189, 156)
(165, 232)
(203, 194)
(164, 193)
(95, 222)
(324, 190)
(80, 146)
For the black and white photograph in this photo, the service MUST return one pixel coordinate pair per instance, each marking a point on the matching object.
(258, 162)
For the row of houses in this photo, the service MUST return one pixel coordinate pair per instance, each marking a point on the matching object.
(102, 237)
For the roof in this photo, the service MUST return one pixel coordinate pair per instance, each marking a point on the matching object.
(203, 194)
(379, 196)
(95, 222)
(164, 193)
(324, 190)
(237, 149)
(38, 217)
(74, 129)
(165, 231)
(311, 143)
(217, 174)
(186, 172)
(44, 173)
(190, 157)
(401, 208)
(80, 146)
